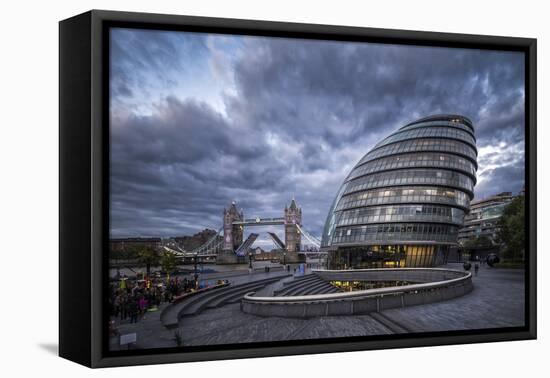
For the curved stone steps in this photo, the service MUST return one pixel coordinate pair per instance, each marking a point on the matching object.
(233, 296)
(199, 305)
(299, 289)
(170, 318)
(297, 280)
(296, 285)
(319, 285)
(325, 290)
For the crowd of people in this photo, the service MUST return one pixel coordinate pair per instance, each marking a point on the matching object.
(131, 299)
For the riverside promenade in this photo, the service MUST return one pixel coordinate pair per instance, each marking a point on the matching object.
(150, 333)
(497, 300)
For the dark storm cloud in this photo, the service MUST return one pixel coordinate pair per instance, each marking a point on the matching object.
(138, 56)
(300, 114)
(180, 167)
(504, 178)
(360, 89)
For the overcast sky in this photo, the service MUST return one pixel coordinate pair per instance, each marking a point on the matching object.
(200, 120)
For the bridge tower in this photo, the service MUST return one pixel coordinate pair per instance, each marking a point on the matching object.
(293, 217)
(232, 234)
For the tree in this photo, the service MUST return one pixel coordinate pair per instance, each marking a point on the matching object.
(479, 242)
(475, 244)
(120, 254)
(168, 262)
(511, 231)
(148, 256)
(115, 254)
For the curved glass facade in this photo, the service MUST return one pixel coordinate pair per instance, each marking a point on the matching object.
(413, 160)
(403, 203)
(391, 232)
(455, 125)
(424, 144)
(409, 194)
(402, 213)
(412, 176)
(429, 132)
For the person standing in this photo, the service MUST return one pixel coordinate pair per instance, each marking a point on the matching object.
(476, 268)
(123, 303)
(116, 304)
(133, 310)
(142, 304)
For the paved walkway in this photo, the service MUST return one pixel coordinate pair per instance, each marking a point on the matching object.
(496, 301)
(151, 333)
(230, 325)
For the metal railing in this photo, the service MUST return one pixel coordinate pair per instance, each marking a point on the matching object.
(464, 276)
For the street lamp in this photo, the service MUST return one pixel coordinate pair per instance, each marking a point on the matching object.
(196, 275)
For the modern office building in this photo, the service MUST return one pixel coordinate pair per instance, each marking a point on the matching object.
(404, 202)
(483, 217)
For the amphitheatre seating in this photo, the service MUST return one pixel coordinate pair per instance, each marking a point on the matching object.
(322, 287)
(195, 304)
(309, 284)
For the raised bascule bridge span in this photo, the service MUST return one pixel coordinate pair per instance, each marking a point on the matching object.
(228, 244)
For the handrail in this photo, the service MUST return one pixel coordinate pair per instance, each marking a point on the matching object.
(385, 270)
(368, 292)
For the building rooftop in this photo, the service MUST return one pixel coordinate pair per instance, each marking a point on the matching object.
(495, 197)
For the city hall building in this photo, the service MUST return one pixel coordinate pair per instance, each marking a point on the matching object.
(404, 202)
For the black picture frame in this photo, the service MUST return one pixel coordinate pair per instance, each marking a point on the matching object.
(84, 191)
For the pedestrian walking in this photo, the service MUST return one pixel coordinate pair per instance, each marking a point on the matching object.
(476, 268)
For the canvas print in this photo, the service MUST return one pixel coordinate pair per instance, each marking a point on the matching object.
(269, 189)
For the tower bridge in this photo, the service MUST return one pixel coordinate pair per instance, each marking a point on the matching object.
(260, 222)
(228, 244)
(234, 223)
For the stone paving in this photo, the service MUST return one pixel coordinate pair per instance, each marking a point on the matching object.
(496, 301)
(151, 333)
(229, 325)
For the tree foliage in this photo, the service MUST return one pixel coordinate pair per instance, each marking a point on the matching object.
(148, 257)
(481, 241)
(511, 233)
(121, 254)
(168, 262)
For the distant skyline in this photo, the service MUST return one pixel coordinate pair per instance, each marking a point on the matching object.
(200, 120)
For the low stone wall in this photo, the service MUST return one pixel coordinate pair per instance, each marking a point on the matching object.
(436, 285)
